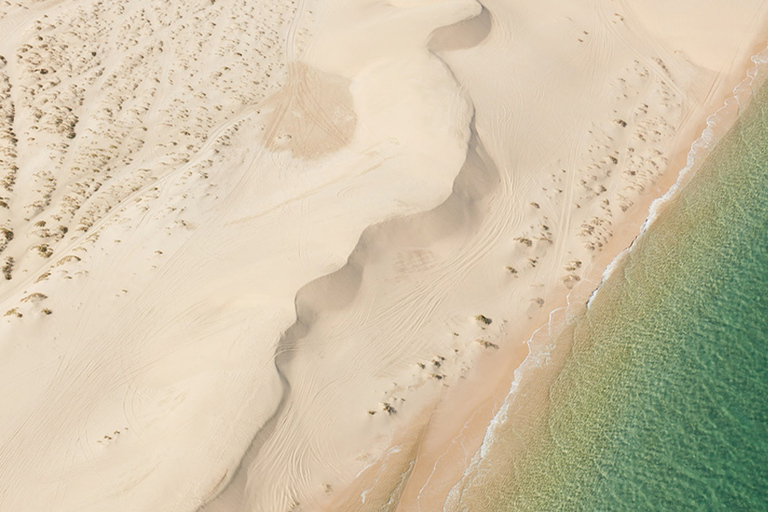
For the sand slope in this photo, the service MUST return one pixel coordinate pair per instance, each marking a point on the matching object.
(249, 246)
(158, 237)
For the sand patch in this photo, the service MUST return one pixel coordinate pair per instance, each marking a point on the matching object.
(313, 114)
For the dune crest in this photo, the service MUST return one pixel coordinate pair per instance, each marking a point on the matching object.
(281, 256)
(154, 247)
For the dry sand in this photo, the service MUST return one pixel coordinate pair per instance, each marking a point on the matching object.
(254, 251)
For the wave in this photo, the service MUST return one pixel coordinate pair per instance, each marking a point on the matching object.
(717, 124)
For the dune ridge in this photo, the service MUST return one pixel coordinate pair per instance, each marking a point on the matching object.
(632, 158)
(285, 256)
(175, 231)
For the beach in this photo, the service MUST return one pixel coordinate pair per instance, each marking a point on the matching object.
(651, 398)
(279, 256)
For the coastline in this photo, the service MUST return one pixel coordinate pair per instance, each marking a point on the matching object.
(459, 434)
(638, 405)
(713, 128)
(306, 274)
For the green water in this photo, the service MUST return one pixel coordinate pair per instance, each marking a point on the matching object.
(660, 401)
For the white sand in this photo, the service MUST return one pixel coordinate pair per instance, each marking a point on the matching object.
(238, 233)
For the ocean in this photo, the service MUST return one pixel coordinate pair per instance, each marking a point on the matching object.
(656, 396)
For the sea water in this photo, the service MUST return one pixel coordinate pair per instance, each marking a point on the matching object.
(656, 397)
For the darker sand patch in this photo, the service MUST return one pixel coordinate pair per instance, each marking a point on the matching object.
(313, 114)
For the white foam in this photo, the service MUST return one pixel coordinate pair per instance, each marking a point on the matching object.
(700, 149)
(539, 356)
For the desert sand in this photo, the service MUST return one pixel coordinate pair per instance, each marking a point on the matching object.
(286, 255)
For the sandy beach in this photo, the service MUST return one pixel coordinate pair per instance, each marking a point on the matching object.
(282, 256)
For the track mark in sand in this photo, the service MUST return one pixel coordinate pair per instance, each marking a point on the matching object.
(312, 114)
(290, 39)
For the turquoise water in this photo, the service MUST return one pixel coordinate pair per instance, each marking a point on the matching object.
(659, 399)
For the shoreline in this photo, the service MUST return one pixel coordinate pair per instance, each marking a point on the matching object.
(295, 257)
(632, 376)
(714, 127)
(447, 463)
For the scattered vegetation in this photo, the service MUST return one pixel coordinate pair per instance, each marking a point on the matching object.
(525, 241)
(570, 280)
(6, 235)
(67, 259)
(573, 265)
(13, 312)
(8, 268)
(34, 297)
(483, 319)
(487, 344)
(388, 408)
(44, 250)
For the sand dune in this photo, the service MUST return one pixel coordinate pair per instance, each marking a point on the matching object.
(286, 255)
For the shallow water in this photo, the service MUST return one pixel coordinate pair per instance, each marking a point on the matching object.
(658, 396)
